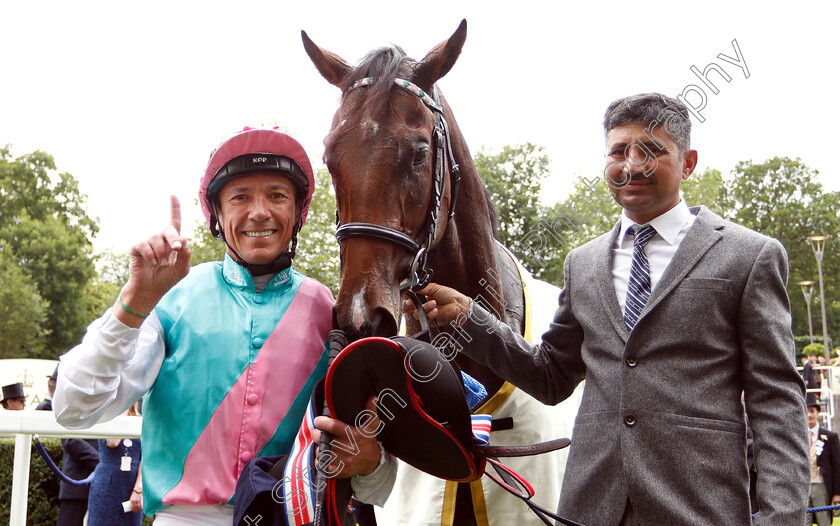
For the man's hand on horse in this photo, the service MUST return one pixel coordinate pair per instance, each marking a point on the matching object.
(155, 266)
(444, 304)
(353, 450)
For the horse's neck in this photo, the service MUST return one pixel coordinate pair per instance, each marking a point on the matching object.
(468, 258)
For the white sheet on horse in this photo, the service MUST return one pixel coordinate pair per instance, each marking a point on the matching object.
(419, 499)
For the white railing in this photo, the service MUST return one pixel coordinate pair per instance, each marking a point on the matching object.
(826, 391)
(23, 424)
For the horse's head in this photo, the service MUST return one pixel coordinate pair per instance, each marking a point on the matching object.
(389, 156)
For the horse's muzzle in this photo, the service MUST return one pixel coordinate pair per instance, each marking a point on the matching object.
(358, 323)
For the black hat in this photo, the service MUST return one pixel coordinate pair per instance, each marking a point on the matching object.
(422, 395)
(417, 405)
(812, 400)
(54, 376)
(13, 391)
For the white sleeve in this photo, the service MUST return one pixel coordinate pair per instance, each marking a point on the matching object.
(376, 487)
(108, 371)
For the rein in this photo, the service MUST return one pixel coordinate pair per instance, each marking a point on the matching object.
(419, 273)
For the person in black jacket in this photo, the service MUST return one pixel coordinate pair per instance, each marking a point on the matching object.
(808, 372)
(825, 464)
(46, 403)
(79, 460)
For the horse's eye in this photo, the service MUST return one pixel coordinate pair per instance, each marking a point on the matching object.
(420, 155)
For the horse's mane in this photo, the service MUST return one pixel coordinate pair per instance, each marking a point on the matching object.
(494, 214)
(382, 65)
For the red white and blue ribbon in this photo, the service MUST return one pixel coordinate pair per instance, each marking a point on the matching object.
(298, 489)
(481, 429)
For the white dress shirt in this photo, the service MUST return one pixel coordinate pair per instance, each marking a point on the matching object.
(670, 227)
(814, 436)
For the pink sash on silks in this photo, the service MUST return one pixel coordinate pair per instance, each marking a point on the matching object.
(280, 490)
(254, 408)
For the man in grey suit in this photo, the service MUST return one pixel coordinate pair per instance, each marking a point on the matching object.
(680, 323)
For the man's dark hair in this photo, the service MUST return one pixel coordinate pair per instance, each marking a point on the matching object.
(651, 110)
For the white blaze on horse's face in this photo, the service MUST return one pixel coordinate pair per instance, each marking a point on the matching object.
(357, 309)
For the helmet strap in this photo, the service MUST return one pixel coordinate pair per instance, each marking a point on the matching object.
(283, 261)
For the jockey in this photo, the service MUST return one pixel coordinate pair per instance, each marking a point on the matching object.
(225, 355)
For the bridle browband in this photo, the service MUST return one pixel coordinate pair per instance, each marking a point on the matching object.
(419, 275)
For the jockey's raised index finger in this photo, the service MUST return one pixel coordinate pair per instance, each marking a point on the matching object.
(175, 219)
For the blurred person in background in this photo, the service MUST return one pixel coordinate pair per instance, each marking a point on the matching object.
(117, 480)
(13, 397)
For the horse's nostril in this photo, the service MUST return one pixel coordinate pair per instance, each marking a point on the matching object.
(379, 322)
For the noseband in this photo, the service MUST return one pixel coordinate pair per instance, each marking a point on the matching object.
(419, 275)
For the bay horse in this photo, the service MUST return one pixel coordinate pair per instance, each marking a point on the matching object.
(410, 201)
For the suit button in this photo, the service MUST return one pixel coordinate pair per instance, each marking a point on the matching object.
(631, 362)
(253, 399)
(257, 343)
(258, 299)
(629, 420)
(246, 456)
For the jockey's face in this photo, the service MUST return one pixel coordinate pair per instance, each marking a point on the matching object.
(258, 213)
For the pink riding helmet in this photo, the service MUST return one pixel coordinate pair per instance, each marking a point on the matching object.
(255, 150)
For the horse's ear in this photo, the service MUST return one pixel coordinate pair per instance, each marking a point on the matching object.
(330, 66)
(440, 59)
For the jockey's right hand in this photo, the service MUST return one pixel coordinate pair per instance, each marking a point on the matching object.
(155, 266)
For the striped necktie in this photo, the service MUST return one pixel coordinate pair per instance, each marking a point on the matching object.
(638, 288)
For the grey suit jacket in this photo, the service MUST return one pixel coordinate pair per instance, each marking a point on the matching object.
(661, 422)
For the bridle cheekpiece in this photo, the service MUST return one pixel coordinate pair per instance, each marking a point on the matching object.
(419, 274)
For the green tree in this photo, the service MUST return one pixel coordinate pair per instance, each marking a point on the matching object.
(586, 214)
(111, 275)
(23, 312)
(784, 199)
(317, 251)
(705, 188)
(541, 236)
(44, 223)
(513, 178)
(204, 246)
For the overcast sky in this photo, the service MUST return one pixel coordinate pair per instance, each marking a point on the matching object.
(130, 98)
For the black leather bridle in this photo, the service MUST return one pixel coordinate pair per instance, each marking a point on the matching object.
(419, 274)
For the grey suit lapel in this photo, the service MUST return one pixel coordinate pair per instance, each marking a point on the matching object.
(705, 232)
(606, 288)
